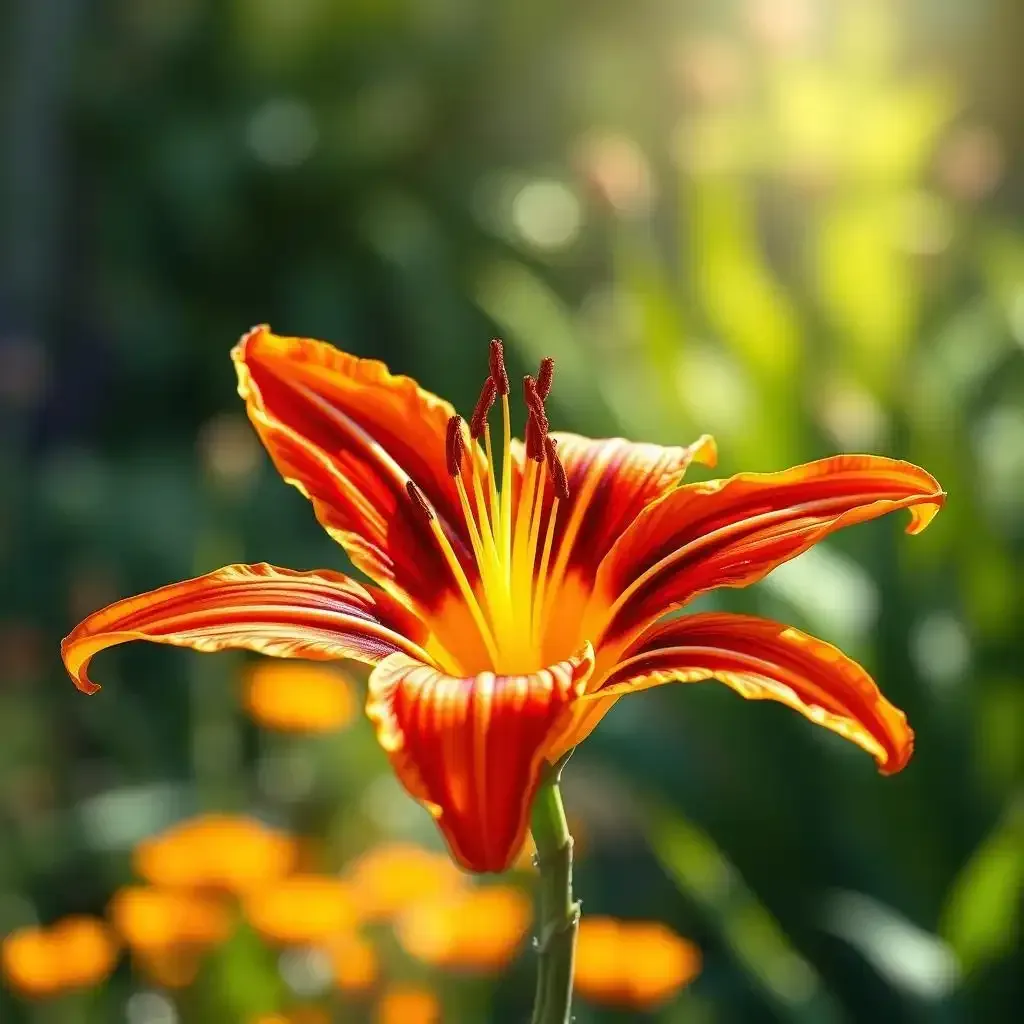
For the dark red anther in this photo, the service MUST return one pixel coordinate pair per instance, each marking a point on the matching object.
(534, 403)
(545, 376)
(498, 372)
(534, 440)
(478, 421)
(455, 445)
(419, 501)
(556, 470)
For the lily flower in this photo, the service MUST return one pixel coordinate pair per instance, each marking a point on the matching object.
(517, 593)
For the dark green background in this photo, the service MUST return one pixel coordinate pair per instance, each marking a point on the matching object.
(794, 225)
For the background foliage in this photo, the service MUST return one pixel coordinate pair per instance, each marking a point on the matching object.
(794, 224)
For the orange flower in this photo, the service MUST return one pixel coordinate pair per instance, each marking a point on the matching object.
(479, 930)
(216, 851)
(356, 967)
(75, 953)
(155, 920)
(633, 964)
(511, 614)
(298, 698)
(302, 909)
(409, 1005)
(389, 877)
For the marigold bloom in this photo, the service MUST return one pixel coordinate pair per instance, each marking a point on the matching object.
(355, 962)
(632, 964)
(478, 930)
(302, 909)
(294, 697)
(152, 920)
(74, 953)
(389, 877)
(409, 1005)
(216, 851)
(514, 607)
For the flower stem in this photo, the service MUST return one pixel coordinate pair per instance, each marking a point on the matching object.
(558, 914)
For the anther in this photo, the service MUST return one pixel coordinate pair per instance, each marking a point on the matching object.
(544, 377)
(556, 470)
(478, 421)
(497, 363)
(418, 500)
(455, 445)
(534, 403)
(534, 440)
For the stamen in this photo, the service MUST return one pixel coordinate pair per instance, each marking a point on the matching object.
(419, 501)
(534, 403)
(497, 364)
(534, 441)
(478, 421)
(455, 445)
(545, 376)
(556, 470)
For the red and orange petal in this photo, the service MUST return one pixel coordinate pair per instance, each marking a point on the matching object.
(610, 482)
(216, 851)
(74, 953)
(730, 533)
(764, 660)
(350, 435)
(287, 614)
(471, 749)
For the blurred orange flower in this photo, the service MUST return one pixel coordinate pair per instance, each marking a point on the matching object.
(296, 697)
(355, 962)
(633, 964)
(478, 930)
(302, 1015)
(216, 851)
(409, 1005)
(389, 877)
(171, 968)
(302, 909)
(162, 919)
(75, 953)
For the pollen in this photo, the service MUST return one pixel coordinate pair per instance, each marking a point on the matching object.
(455, 446)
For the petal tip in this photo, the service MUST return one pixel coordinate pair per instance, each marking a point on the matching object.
(705, 451)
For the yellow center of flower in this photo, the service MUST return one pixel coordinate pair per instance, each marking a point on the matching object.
(512, 544)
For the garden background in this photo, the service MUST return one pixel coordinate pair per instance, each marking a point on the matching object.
(795, 224)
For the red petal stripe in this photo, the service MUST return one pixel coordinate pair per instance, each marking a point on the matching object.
(287, 614)
(763, 660)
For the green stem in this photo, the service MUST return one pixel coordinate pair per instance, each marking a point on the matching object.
(558, 914)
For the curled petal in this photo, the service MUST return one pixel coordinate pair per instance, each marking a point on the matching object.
(730, 533)
(350, 436)
(316, 615)
(763, 660)
(471, 749)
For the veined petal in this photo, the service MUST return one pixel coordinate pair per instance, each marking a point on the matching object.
(610, 482)
(730, 533)
(763, 660)
(316, 615)
(471, 749)
(350, 435)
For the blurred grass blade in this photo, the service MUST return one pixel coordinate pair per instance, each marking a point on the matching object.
(753, 936)
(981, 918)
